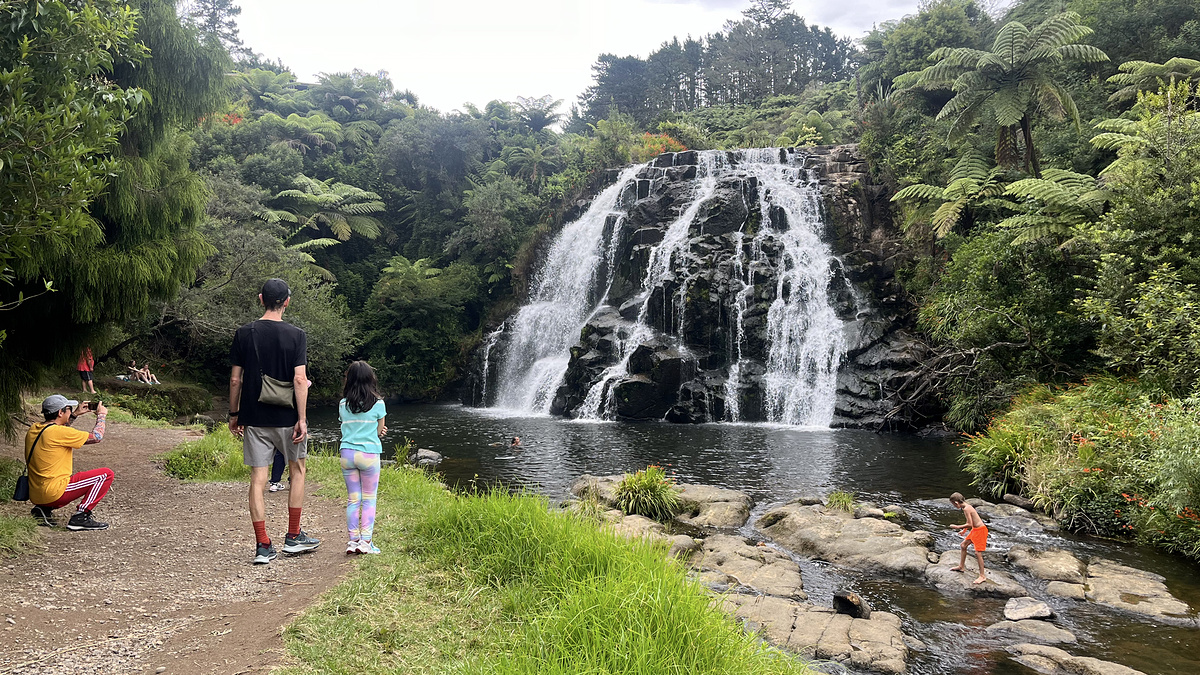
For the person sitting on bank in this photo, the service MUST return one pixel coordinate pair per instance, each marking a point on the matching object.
(142, 374)
(49, 448)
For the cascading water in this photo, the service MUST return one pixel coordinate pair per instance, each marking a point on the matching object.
(782, 340)
(562, 300)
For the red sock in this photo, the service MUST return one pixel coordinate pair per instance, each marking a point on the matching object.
(260, 532)
(293, 521)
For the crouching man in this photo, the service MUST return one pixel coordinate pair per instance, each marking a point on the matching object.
(49, 447)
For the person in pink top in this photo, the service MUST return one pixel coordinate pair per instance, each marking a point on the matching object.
(86, 363)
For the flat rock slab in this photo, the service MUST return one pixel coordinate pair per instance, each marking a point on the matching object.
(998, 585)
(874, 644)
(704, 505)
(1137, 591)
(869, 544)
(708, 506)
(760, 568)
(1018, 609)
(1049, 565)
(1032, 630)
(1061, 589)
(1054, 661)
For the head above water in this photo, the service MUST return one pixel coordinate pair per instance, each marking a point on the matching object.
(361, 387)
(957, 499)
(274, 294)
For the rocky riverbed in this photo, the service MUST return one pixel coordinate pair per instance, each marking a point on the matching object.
(760, 579)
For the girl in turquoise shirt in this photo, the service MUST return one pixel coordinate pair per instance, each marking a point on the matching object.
(361, 412)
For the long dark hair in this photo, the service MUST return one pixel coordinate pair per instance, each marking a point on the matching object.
(360, 388)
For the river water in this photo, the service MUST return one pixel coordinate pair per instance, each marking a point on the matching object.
(774, 464)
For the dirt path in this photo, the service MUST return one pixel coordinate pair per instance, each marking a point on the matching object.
(170, 584)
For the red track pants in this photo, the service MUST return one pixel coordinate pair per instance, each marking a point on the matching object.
(91, 485)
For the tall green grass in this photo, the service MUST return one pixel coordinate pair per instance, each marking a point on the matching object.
(1111, 458)
(499, 583)
(216, 456)
(17, 533)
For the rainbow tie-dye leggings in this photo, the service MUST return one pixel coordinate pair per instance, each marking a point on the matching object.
(361, 471)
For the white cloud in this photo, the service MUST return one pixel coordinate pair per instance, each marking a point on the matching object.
(454, 51)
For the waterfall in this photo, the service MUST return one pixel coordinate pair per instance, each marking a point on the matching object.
(777, 256)
(561, 301)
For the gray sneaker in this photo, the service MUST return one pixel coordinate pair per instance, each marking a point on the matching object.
(299, 543)
(264, 554)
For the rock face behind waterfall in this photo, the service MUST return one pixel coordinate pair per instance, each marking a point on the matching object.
(711, 306)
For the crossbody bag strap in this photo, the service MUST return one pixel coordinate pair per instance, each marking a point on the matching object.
(254, 342)
(29, 455)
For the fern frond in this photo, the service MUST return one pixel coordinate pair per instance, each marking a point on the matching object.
(919, 191)
(946, 217)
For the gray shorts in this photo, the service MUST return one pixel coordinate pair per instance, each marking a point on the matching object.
(260, 443)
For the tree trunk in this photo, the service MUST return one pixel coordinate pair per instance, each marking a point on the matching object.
(1032, 165)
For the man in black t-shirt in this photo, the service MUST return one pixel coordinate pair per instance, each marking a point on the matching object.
(269, 347)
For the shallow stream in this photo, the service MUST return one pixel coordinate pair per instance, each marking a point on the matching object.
(774, 464)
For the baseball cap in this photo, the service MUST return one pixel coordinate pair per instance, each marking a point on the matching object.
(275, 291)
(57, 402)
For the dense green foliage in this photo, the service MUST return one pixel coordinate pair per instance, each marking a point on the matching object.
(1109, 458)
(217, 456)
(648, 493)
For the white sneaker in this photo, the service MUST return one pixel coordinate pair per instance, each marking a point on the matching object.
(352, 547)
(368, 548)
(276, 487)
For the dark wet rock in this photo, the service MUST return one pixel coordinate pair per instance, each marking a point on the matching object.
(1049, 565)
(1136, 591)
(876, 644)
(761, 569)
(425, 459)
(1019, 609)
(1032, 630)
(1054, 661)
(851, 603)
(870, 544)
(1018, 500)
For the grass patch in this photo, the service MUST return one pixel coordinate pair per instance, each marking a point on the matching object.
(17, 533)
(9, 470)
(499, 583)
(648, 493)
(1110, 458)
(216, 456)
(841, 501)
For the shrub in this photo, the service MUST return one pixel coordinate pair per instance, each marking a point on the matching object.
(841, 501)
(648, 493)
(217, 456)
(9, 470)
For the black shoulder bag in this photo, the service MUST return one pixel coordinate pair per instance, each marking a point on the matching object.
(21, 492)
(273, 392)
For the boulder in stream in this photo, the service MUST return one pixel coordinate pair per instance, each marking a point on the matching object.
(1054, 661)
(707, 506)
(1018, 609)
(876, 644)
(851, 603)
(1136, 591)
(869, 544)
(999, 584)
(1052, 564)
(1032, 630)
(1061, 589)
(759, 568)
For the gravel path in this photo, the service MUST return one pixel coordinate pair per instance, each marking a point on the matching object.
(169, 587)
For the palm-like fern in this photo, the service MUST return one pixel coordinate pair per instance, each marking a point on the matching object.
(973, 184)
(304, 132)
(532, 163)
(1011, 82)
(1165, 128)
(340, 209)
(1138, 76)
(1053, 205)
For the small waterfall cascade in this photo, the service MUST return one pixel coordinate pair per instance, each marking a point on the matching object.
(698, 287)
(563, 297)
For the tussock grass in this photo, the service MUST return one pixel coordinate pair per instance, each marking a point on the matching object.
(648, 493)
(842, 501)
(17, 534)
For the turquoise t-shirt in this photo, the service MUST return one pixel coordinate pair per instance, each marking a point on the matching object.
(360, 431)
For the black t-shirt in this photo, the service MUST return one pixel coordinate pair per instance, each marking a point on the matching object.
(282, 347)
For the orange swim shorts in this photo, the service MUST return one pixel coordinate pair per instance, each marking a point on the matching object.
(978, 537)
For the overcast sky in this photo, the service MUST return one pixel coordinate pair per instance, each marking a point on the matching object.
(449, 52)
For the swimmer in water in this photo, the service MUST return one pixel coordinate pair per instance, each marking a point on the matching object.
(516, 443)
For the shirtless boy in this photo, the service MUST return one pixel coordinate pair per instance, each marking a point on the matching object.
(976, 535)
